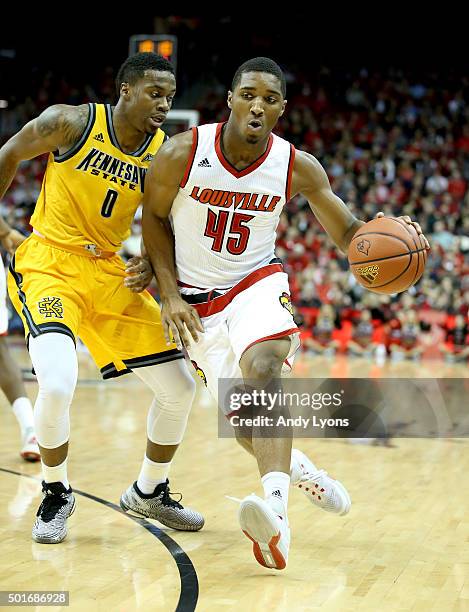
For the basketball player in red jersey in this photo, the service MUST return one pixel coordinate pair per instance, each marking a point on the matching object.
(223, 187)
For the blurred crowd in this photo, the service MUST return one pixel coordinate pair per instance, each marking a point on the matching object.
(389, 141)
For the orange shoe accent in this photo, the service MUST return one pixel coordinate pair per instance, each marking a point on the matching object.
(277, 556)
(30, 456)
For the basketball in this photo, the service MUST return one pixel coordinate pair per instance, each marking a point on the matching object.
(387, 257)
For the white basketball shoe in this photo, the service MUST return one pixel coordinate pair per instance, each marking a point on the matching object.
(268, 531)
(321, 490)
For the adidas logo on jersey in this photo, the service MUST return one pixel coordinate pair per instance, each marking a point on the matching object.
(204, 163)
(99, 137)
(148, 158)
(277, 493)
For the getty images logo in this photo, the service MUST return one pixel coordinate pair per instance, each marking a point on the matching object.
(270, 400)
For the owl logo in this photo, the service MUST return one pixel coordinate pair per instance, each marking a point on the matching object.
(363, 246)
(285, 300)
(200, 373)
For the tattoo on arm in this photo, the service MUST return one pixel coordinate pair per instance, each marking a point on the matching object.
(48, 122)
(69, 121)
(75, 125)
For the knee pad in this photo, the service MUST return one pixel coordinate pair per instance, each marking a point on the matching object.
(55, 363)
(174, 390)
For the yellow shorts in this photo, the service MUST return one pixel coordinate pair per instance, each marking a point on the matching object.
(57, 291)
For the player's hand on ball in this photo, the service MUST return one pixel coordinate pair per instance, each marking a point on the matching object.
(406, 220)
(12, 241)
(178, 317)
(139, 274)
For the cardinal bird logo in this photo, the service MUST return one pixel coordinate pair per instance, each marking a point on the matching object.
(286, 302)
(363, 246)
(199, 372)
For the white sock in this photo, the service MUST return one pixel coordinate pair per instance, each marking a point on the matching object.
(56, 473)
(23, 412)
(296, 471)
(151, 475)
(276, 487)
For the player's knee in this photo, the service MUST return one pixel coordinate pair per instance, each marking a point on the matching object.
(177, 407)
(57, 390)
(169, 412)
(57, 384)
(166, 422)
(52, 408)
(54, 359)
(263, 367)
(171, 382)
(51, 418)
(186, 389)
(179, 395)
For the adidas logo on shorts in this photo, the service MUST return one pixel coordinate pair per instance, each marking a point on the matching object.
(277, 493)
(204, 163)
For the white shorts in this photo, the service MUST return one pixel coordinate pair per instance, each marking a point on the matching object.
(256, 309)
(3, 301)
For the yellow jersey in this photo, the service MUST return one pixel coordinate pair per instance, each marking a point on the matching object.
(89, 194)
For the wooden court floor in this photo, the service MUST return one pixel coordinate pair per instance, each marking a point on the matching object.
(403, 546)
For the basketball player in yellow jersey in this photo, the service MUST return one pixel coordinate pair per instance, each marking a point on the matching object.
(66, 280)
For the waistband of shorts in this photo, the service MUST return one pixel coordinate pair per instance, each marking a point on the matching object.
(212, 302)
(91, 251)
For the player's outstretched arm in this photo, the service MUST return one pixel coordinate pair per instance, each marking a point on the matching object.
(57, 128)
(310, 179)
(161, 187)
